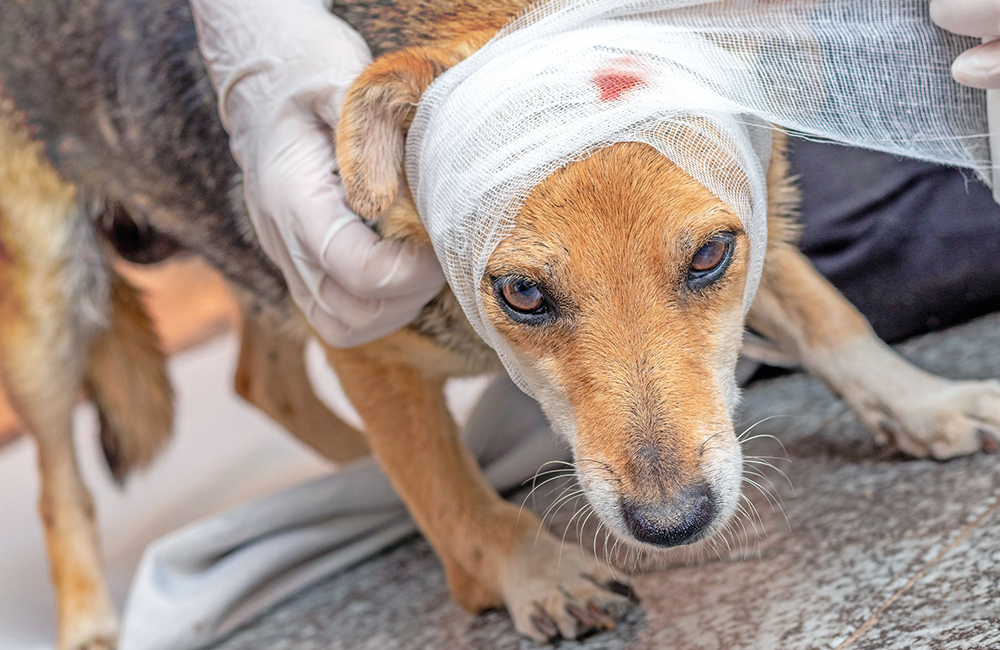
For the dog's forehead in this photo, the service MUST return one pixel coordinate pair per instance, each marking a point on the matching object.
(622, 200)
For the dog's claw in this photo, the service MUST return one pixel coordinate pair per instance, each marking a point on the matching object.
(545, 625)
(989, 442)
(548, 600)
(581, 614)
(622, 589)
(601, 618)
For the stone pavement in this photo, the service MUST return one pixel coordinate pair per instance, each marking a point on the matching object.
(879, 552)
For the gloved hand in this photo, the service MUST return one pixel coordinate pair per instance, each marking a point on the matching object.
(282, 69)
(979, 66)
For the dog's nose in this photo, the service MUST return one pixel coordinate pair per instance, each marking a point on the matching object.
(674, 522)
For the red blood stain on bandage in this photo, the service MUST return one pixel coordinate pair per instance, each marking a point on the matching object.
(621, 77)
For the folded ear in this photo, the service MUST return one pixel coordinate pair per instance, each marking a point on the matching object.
(376, 116)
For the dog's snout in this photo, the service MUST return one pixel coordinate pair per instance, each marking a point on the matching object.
(672, 522)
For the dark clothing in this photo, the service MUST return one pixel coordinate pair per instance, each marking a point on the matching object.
(914, 246)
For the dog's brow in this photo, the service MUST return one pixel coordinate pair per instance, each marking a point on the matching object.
(543, 269)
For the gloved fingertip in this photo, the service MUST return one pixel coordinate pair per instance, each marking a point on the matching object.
(333, 332)
(327, 107)
(327, 294)
(400, 312)
(978, 67)
(395, 319)
(942, 14)
(428, 268)
(415, 269)
(392, 269)
(979, 18)
(354, 312)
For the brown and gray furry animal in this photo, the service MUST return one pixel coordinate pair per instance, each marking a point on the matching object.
(620, 289)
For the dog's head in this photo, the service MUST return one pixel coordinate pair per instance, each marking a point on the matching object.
(620, 290)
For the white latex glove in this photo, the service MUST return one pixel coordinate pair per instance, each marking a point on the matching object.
(979, 66)
(281, 69)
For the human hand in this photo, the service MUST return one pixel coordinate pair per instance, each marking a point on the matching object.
(281, 69)
(979, 66)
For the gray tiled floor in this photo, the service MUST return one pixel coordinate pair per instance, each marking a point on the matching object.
(879, 553)
(953, 603)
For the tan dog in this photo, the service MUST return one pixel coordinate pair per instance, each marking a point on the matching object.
(621, 289)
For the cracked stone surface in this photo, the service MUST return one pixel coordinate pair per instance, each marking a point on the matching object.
(878, 552)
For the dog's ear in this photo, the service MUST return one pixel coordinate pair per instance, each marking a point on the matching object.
(376, 116)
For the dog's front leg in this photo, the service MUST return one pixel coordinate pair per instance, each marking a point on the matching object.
(925, 415)
(272, 375)
(493, 554)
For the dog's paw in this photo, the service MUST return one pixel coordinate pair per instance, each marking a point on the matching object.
(549, 597)
(940, 419)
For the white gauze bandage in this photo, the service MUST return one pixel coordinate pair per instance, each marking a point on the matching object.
(700, 81)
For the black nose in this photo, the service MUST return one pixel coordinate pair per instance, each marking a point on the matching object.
(672, 522)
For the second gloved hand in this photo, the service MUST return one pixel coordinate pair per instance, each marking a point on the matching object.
(980, 66)
(282, 69)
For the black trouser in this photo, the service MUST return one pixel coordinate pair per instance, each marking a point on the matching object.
(914, 246)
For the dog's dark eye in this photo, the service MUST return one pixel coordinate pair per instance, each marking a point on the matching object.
(711, 261)
(523, 300)
(708, 256)
(523, 296)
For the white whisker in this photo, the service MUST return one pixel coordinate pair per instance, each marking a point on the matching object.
(562, 500)
(535, 487)
(562, 541)
(757, 461)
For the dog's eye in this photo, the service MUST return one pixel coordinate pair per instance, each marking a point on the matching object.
(523, 296)
(711, 261)
(708, 256)
(524, 301)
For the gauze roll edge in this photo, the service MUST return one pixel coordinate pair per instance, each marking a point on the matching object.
(701, 82)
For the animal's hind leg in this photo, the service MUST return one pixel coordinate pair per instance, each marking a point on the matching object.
(87, 618)
(42, 358)
(41, 365)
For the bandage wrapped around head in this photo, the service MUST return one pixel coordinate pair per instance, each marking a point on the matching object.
(702, 82)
